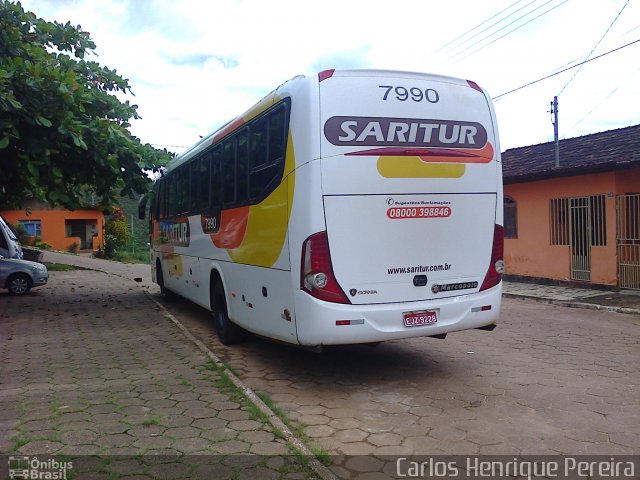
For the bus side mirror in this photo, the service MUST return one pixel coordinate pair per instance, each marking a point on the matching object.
(142, 207)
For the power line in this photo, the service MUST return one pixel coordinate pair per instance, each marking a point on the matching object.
(564, 70)
(597, 44)
(595, 108)
(511, 31)
(167, 145)
(482, 23)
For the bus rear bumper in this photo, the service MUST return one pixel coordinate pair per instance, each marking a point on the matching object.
(323, 323)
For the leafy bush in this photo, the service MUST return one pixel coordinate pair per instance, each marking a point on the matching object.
(42, 245)
(21, 232)
(117, 228)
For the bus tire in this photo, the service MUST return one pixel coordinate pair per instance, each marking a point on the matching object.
(167, 294)
(228, 332)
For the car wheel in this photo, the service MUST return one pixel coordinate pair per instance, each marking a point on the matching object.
(19, 284)
(228, 332)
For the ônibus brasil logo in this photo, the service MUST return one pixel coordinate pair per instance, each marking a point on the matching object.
(32, 468)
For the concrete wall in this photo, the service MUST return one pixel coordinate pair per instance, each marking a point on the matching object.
(53, 225)
(531, 254)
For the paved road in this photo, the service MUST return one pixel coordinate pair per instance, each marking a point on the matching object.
(548, 380)
(90, 365)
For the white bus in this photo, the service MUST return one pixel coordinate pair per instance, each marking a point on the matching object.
(352, 206)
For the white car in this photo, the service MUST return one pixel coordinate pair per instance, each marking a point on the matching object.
(20, 276)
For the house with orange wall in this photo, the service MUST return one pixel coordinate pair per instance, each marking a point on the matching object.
(577, 219)
(62, 229)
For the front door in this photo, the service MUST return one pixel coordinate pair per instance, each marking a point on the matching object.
(580, 238)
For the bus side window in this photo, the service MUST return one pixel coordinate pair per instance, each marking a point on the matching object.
(171, 195)
(200, 183)
(258, 157)
(161, 199)
(182, 191)
(268, 149)
(216, 179)
(229, 171)
(242, 167)
(277, 136)
(193, 186)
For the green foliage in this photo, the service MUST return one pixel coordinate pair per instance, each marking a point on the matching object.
(42, 245)
(21, 232)
(139, 230)
(117, 228)
(63, 131)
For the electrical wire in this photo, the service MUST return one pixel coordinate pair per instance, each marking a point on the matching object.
(598, 105)
(459, 37)
(456, 60)
(564, 70)
(595, 108)
(594, 48)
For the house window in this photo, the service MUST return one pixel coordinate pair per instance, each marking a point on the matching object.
(510, 218)
(598, 220)
(33, 227)
(559, 221)
(574, 217)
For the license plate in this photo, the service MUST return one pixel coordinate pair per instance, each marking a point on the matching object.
(415, 319)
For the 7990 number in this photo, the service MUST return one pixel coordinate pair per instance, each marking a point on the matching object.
(403, 94)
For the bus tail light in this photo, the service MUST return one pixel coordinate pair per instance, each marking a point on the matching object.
(496, 266)
(316, 272)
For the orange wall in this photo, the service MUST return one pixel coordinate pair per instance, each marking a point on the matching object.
(531, 253)
(52, 224)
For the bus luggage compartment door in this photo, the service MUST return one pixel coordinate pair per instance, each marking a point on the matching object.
(380, 244)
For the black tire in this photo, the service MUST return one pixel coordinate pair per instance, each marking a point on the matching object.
(167, 294)
(19, 284)
(228, 332)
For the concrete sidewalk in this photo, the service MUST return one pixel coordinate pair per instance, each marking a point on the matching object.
(90, 365)
(623, 301)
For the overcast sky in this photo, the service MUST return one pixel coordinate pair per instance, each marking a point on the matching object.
(193, 65)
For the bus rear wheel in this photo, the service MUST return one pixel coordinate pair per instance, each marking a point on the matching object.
(228, 332)
(164, 292)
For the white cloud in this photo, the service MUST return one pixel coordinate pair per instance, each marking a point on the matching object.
(193, 64)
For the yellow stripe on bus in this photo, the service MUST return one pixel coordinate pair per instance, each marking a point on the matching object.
(414, 167)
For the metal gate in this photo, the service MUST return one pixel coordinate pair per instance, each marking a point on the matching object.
(580, 238)
(628, 240)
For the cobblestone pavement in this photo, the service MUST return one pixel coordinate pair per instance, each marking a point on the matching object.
(90, 365)
(548, 380)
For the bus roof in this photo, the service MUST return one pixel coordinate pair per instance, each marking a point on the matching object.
(236, 122)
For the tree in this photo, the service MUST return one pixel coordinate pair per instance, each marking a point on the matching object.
(63, 131)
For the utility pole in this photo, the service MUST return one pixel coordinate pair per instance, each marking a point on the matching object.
(554, 112)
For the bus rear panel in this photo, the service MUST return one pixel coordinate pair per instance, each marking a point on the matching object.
(411, 196)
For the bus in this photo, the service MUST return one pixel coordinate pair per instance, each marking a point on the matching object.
(351, 206)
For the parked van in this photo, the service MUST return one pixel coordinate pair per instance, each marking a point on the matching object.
(9, 244)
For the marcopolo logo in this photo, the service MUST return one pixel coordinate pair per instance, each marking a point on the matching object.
(32, 468)
(404, 132)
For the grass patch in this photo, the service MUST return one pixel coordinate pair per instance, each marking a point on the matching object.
(129, 257)
(20, 441)
(150, 422)
(224, 384)
(184, 381)
(61, 267)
